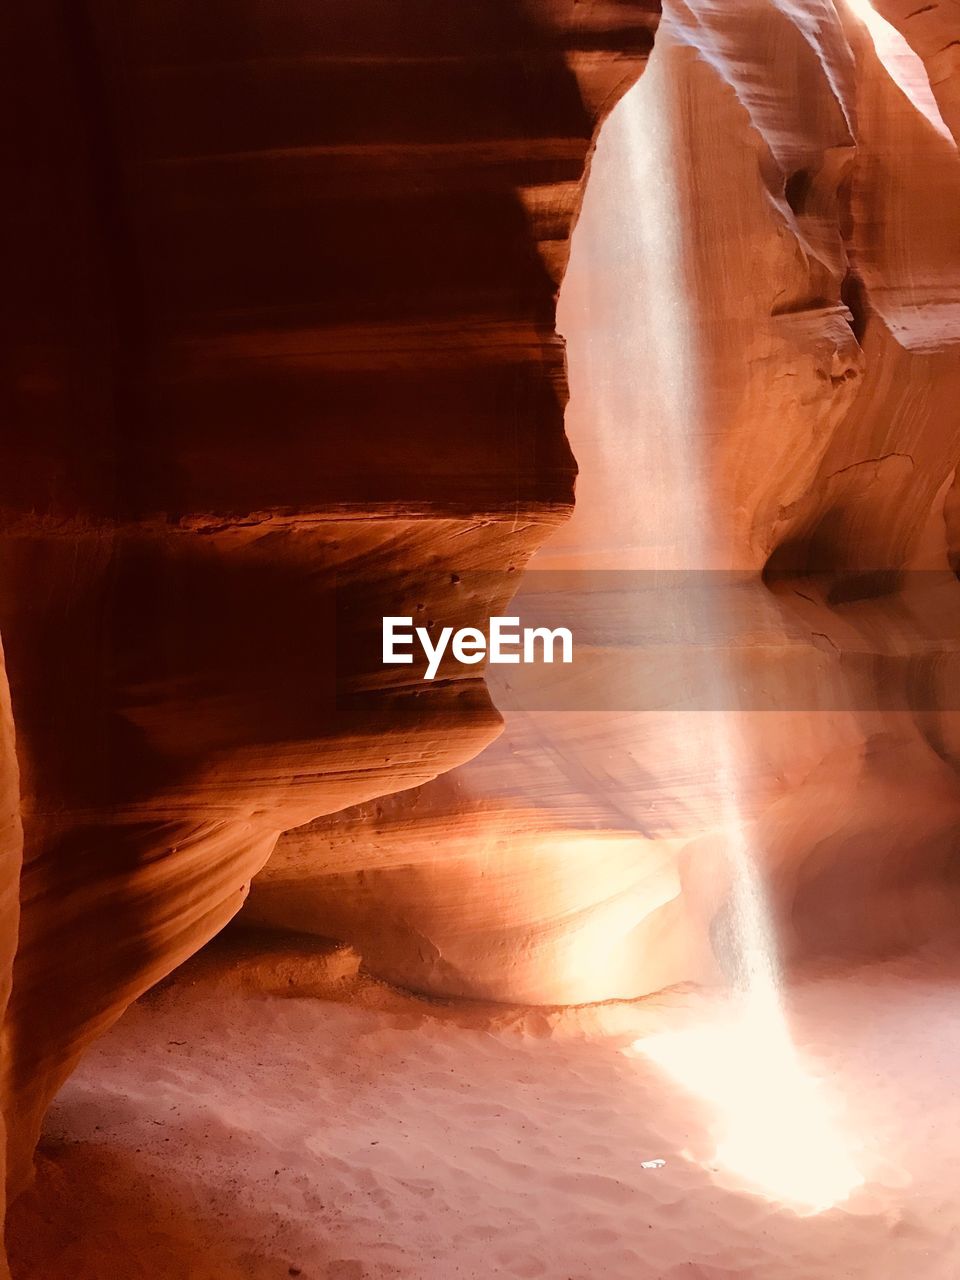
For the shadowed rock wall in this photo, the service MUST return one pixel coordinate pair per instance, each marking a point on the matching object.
(281, 348)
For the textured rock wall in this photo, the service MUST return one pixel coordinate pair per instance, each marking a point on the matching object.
(930, 30)
(761, 311)
(11, 851)
(282, 347)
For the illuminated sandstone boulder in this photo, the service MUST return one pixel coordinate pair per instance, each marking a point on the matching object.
(761, 312)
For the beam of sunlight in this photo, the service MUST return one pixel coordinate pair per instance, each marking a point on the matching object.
(773, 1126)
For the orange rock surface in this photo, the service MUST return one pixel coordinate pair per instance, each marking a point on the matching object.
(761, 314)
(282, 348)
(283, 358)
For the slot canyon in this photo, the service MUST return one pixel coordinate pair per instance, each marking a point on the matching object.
(641, 322)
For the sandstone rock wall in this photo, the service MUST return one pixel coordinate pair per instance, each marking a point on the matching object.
(281, 348)
(761, 311)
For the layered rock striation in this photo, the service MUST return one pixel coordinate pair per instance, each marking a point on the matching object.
(282, 358)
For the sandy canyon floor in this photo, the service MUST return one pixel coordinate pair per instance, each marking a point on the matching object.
(261, 1116)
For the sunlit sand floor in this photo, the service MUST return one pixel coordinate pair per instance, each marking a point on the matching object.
(272, 1116)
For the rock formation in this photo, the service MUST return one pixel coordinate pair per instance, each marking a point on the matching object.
(761, 312)
(282, 359)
